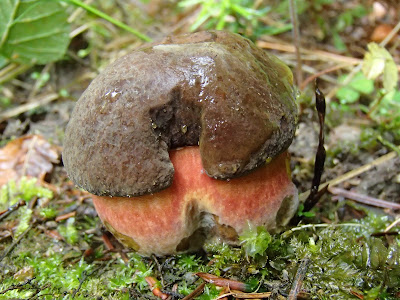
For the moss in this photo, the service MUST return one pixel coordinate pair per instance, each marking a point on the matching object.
(69, 231)
(344, 258)
(26, 189)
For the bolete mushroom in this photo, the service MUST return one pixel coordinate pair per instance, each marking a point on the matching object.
(186, 139)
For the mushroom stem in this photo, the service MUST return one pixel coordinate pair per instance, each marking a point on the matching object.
(195, 206)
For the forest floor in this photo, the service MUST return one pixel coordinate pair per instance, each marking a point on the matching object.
(53, 245)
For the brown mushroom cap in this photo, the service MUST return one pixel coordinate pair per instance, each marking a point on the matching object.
(215, 89)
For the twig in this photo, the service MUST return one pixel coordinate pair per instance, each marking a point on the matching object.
(65, 216)
(116, 22)
(110, 247)
(349, 78)
(246, 295)
(13, 112)
(319, 74)
(391, 34)
(11, 209)
(298, 279)
(82, 280)
(77, 13)
(311, 70)
(296, 40)
(363, 198)
(197, 291)
(223, 282)
(392, 225)
(385, 233)
(323, 55)
(11, 71)
(17, 286)
(388, 144)
(159, 267)
(353, 173)
(155, 289)
(107, 242)
(79, 30)
(290, 231)
(11, 247)
(321, 153)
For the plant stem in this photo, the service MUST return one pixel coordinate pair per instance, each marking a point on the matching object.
(388, 144)
(110, 19)
(296, 40)
(11, 71)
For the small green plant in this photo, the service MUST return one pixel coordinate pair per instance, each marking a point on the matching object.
(373, 91)
(210, 293)
(142, 270)
(41, 78)
(69, 231)
(110, 19)
(223, 256)
(188, 262)
(25, 190)
(48, 212)
(302, 213)
(37, 32)
(352, 92)
(33, 32)
(224, 13)
(255, 240)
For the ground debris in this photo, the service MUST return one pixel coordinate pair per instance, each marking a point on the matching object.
(29, 155)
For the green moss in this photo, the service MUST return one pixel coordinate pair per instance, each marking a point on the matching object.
(26, 189)
(347, 258)
(69, 231)
(344, 258)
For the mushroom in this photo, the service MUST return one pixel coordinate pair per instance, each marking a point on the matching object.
(184, 140)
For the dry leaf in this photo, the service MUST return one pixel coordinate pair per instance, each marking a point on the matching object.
(29, 155)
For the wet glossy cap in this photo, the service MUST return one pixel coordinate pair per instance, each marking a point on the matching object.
(213, 89)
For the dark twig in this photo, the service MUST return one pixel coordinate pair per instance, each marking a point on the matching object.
(11, 247)
(11, 209)
(85, 276)
(321, 153)
(298, 279)
(315, 194)
(385, 233)
(17, 286)
(159, 268)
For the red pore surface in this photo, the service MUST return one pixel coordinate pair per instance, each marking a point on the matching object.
(158, 223)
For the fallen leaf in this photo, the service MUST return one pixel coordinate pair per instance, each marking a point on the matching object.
(379, 61)
(223, 282)
(24, 274)
(30, 155)
(381, 32)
